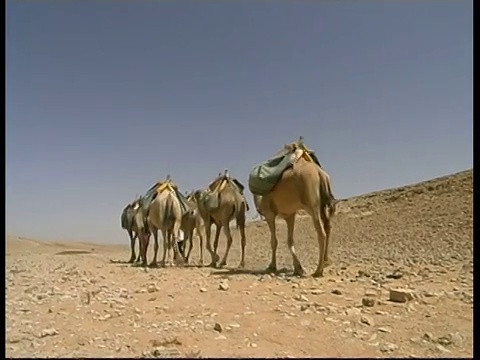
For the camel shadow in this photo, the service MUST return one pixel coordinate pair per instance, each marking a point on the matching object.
(225, 273)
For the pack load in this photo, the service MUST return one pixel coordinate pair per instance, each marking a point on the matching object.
(263, 177)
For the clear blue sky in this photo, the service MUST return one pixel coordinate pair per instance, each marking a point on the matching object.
(104, 98)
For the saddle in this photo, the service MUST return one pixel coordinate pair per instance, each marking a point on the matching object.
(212, 196)
(161, 186)
(263, 177)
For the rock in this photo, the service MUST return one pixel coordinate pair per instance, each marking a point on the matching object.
(203, 290)
(400, 295)
(442, 348)
(152, 288)
(221, 337)
(353, 311)
(329, 319)
(317, 292)
(48, 332)
(218, 327)
(304, 307)
(368, 301)
(450, 339)
(388, 347)
(253, 345)
(301, 298)
(336, 292)
(366, 320)
(384, 330)
(223, 286)
(395, 275)
(428, 336)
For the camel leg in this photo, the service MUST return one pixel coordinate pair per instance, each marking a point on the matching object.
(201, 246)
(241, 226)
(228, 234)
(143, 249)
(327, 226)
(297, 267)
(174, 235)
(322, 239)
(273, 242)
(155, 248)
(132, 246)
(190, 239)
(168, 246)
(208, 235)
(215, 245)
(146, 241)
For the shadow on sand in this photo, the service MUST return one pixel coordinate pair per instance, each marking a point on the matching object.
(73, 252)
(284, 272)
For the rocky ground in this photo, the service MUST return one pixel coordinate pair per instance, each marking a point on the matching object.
(413, 244)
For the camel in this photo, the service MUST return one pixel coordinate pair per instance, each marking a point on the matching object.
(304, 185)
(222, 202)
(192, 221)
(165, 214)
(126, 220)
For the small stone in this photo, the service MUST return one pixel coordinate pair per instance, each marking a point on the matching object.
(353, 311)
(48, 332)
(152, 288)
(336, 292)
(223, 286)
(218, 327)
(221, 337)
(317, 292)
(395, 275)
(367, 321)
(304, 307)
(400, 295)
(384, 330)
(442, 348)
(202, 290)
(368, 301)
(329, 319)
(388, 347)
(253, 345)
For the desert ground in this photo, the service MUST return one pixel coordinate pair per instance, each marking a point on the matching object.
(78, 300)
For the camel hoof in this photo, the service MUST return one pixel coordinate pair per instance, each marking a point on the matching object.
(131, 261)
(153, 265)
(317, 274)
(299, 272)
(241, 266)
(222, 264)
(271, 269)
(327, 263)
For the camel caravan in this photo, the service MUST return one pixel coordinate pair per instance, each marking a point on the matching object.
(291, 180)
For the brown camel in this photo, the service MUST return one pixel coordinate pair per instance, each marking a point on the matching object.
(192, 222)
(222, 202)
(127, 222)
(164, 214)
(304, 185)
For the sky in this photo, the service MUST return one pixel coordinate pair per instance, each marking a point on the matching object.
(104, 98)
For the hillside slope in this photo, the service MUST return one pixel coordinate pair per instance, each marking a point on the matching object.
(430, 222)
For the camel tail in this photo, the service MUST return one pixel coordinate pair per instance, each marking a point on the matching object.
(326, 194)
